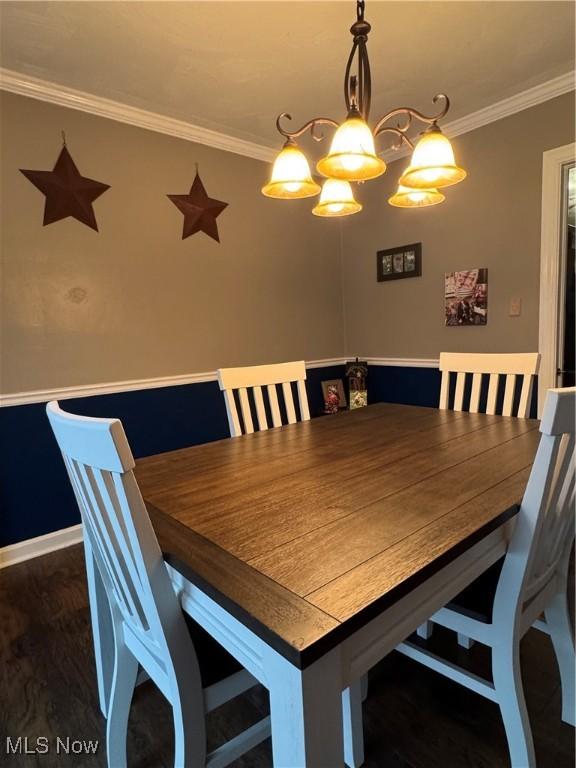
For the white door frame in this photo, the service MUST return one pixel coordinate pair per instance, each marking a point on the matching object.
(550, 265)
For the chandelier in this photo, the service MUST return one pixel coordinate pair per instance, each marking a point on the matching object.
(352, 156)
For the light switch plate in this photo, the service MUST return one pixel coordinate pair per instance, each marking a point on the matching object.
(515, 307)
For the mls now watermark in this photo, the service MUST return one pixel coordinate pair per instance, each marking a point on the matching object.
(43, 745)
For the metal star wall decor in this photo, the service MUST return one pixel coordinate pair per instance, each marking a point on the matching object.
(67, 192)
(200, 211)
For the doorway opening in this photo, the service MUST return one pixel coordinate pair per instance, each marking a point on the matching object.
(556, 325)
(566, 333)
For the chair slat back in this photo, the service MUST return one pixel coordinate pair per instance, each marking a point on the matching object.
(263, 381)
(100, 466)
(523, 365)
(544, 530)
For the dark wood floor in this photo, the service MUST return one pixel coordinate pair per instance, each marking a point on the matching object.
(413, 717)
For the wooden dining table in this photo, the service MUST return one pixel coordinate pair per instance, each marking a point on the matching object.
(310, 551)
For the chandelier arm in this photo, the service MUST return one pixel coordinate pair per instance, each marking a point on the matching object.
(410, 113)
(400, 112)
(311, 125)
(431, 119)
(401, 135)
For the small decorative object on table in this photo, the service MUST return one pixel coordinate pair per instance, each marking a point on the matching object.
(334, 395)
(356, 373)
(332, 401)
(338, 385)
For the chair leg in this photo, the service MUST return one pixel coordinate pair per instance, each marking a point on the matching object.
(364, 687)
(510, 696)
(465, 642)
(353, 727)
(189, 734)
(425, 630)
(560, 628)
(122, 689)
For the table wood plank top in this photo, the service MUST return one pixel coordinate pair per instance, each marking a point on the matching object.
(307, 531)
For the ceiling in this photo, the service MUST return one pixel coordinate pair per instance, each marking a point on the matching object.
(233, 66)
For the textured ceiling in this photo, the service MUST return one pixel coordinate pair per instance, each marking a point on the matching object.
(233, 66)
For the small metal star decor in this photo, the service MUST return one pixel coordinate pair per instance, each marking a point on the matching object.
(67, 192)
(200, 211)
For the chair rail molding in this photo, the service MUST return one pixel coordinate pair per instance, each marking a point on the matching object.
(403, 362)
(132, 385)
(551, 261)
(54, 93)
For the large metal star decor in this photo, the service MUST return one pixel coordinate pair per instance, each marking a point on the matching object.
(200, 211)
(67, 192)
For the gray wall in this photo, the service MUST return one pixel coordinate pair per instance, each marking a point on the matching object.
(135, 300)
(490, 220)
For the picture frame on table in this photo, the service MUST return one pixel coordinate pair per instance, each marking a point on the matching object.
(339, 384)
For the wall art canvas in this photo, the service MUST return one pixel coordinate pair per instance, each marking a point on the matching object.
(466, 297)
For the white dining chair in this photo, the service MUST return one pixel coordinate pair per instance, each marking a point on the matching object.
(508, 599)
(516, 371)
(262, 381)
(149, 626)
(520, 367)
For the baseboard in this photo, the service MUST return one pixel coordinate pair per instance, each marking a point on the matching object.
(41, 545)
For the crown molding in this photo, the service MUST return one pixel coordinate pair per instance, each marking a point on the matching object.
(43, 90)
(500, 109)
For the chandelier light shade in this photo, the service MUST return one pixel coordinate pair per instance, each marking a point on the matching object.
(404, 197)
(291, 178)
(432, 163)
(336, 199)
(353, 157)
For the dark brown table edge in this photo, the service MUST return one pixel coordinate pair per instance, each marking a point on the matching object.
(307, 656)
